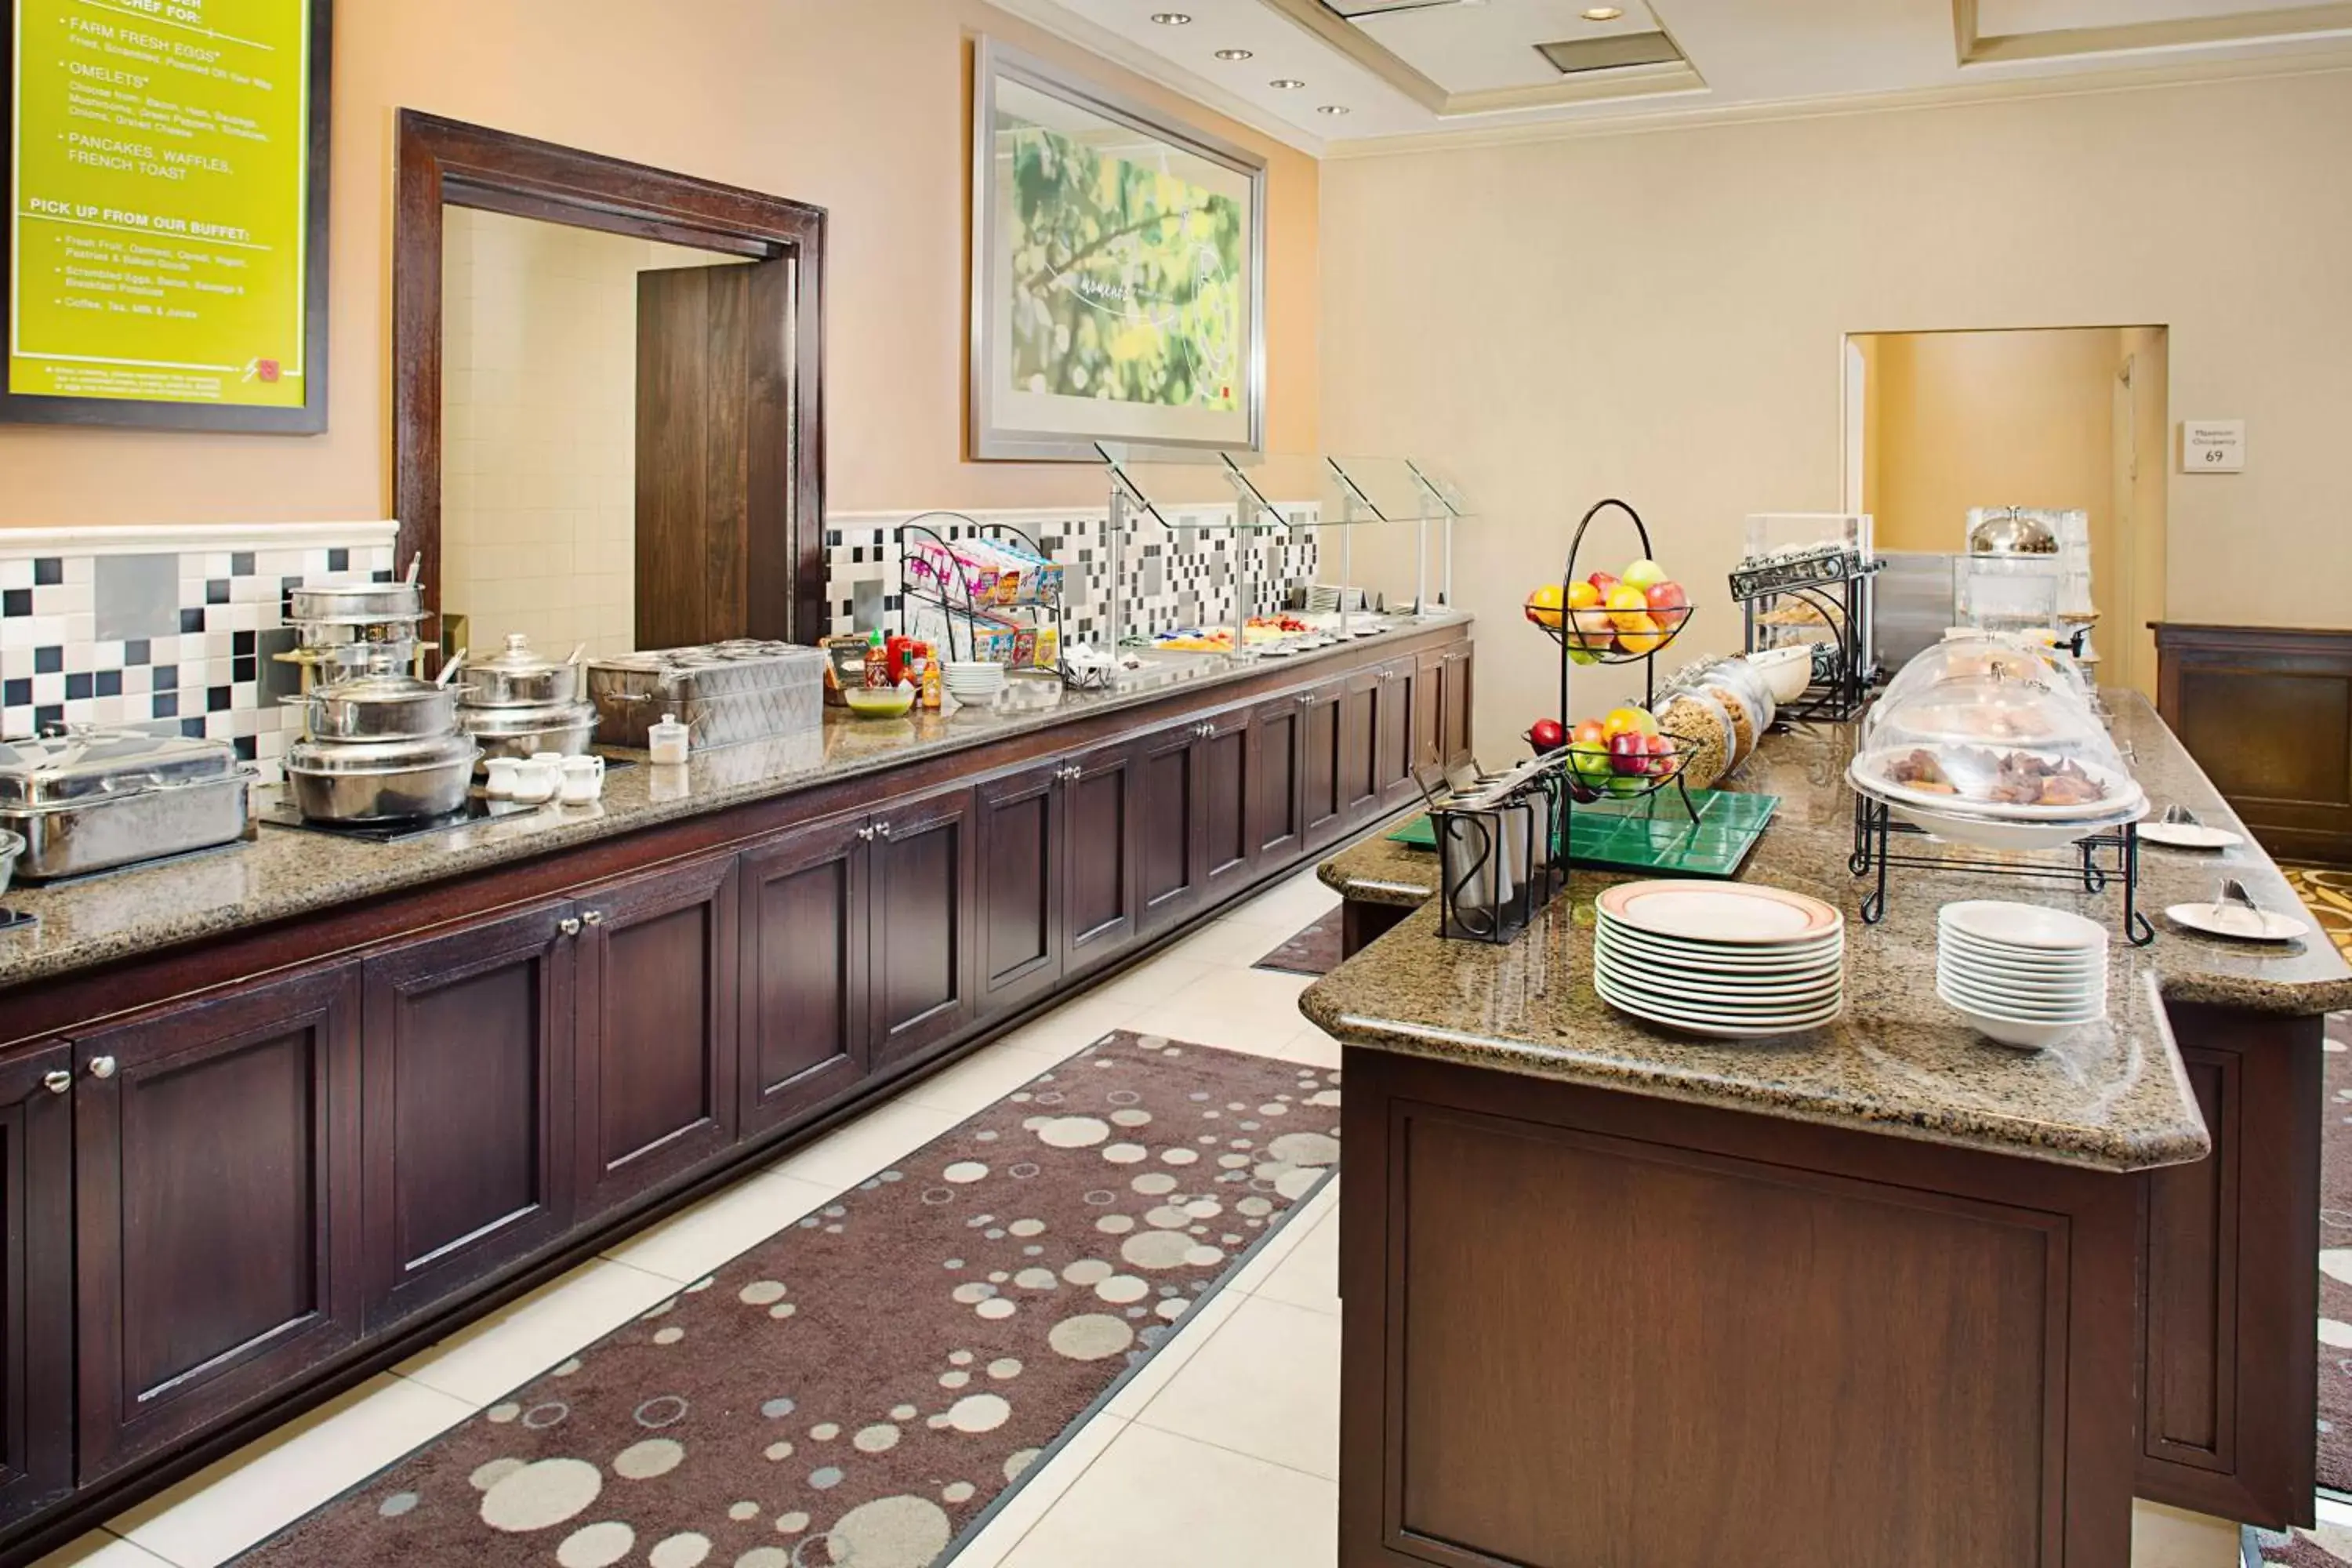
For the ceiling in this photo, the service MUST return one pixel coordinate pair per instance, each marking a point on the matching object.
(1327, 74)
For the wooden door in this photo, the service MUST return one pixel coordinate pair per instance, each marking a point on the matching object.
(1019, 824)
(468, 1046)
(802, 1037)
(922, 936)
(1102, 889)
(1322, 766)
(1395, 745)
(1226, 773)
(37, 1456)
(712, 479)
(1277, 802)
(1362, 698)
(1428, 711)
(216, 1208)
(1172, 858)
(655, 1086)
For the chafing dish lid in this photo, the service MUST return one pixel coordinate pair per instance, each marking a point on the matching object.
(517, 658)
(378, 756)
(525, 720)
(84, 765)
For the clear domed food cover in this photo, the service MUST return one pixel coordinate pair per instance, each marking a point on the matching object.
(1969, 653)
(1989, 729)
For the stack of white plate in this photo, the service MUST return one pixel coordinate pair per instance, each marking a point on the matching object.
(1729, 958)
(2023, 974)
(973, 680)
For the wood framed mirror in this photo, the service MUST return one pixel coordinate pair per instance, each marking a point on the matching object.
(716, 322)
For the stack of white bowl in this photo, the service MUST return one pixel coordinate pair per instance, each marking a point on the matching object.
(1733, 960)
(2020, 974)
(973, 680)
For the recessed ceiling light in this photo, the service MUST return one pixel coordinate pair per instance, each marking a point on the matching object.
(1333, 109)
(1171, 18)
(1285, 84)
(1604, 12)
(1236, 54)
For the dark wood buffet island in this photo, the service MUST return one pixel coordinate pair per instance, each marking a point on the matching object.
(1884, 1293)
(275, 1115)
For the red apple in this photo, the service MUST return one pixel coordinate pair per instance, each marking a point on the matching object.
(1665, 758)
(1629, 752)
(1547, 735)
(1602, 582)
(1665, 596)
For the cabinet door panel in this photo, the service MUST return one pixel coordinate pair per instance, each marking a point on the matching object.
(1021, 851)
(1277, 803)
(1171, 856)
(1227, 786)
(921, 935)
(1098, 804)
(468, 1059)
(655, 1023)
(1364, 700)
(1458, 695)
(1428, 711)
(1321, 751)
(804, 1037)
(36, 1283)
(1395, 747)
(216, 1207)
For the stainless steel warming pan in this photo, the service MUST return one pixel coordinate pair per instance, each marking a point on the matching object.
(93, 799)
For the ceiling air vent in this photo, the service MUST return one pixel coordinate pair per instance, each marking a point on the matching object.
(1619, 50)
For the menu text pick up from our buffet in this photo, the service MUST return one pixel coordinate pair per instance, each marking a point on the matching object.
(160, 187)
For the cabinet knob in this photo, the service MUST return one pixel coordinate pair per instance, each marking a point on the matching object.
(592, 916)
(883, 829)
(569, 925)
(866, 834)
(101, 1066)
(57, 1080)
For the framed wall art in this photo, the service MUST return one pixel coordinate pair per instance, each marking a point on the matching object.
(1119, 271)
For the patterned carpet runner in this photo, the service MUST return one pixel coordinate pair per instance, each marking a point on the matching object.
(857, 1390)
(1314, 950)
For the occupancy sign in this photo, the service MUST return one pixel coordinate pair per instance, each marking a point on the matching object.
(160, 186)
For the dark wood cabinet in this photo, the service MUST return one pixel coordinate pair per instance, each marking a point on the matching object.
(1396, 742)
(654, 1067)
(216, 1207)
(468, 1134)
(1172, 858)
(1362, 697)
(1455, 697)
(802, 1037)
(1322, 763)
(1019, 827)
(37, 1456)
(1225, 777)
(921, 888)
(1102, 895)
(1277, 800)
(2267, 713)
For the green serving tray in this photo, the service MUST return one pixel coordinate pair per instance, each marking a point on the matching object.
(1654, 833)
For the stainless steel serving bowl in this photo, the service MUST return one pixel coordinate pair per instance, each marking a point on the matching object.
(383, 781)
(518, 678)
(357, 629)
(381, 708)
(565, 728)
(11, 846)
(356, 601)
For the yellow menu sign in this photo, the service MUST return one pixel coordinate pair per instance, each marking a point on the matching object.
(159, 186)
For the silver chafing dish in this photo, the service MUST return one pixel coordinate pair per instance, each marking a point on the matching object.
(93, 799)
(11, 847)
(351, 602)
(380, 781)
(726, 692)
(516, 703)
(381, 707)
(518, 678)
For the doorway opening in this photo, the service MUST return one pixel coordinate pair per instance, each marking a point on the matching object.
(1938, 424)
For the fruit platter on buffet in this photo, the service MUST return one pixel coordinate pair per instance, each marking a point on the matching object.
(1987, 743)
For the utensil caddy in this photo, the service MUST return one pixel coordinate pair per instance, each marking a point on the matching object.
(1498, 860)
(2108, 858)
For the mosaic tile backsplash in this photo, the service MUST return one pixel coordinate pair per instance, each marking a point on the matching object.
(1173, 577)
(173, 641)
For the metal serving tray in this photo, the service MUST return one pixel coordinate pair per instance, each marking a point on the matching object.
(92, 800)
(725, 693)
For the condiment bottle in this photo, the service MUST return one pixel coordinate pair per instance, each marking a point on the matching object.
(932, 680)
(667, 740)
(877, 662)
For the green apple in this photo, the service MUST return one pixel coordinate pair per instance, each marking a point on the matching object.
(1643, 574)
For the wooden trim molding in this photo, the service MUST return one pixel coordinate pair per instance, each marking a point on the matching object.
(444, 162)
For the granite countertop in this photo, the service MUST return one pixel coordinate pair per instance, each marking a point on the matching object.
(286, 872)
(2111, 1097)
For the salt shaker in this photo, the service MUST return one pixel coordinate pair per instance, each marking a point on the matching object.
(667, 742)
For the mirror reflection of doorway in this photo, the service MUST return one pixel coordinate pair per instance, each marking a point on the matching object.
(2064, 418)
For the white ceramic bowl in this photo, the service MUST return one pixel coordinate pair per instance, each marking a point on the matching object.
(2026, 1033)
(2005, 924)
(1788, 670)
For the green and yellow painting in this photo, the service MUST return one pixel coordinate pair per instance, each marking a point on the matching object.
(1129, 283)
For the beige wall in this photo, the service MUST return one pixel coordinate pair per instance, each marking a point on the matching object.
(1659, 316)
(856, 105)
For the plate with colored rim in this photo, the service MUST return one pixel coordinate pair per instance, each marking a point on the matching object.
(1744, 998)
(1629, 954)
(1736, 914)
(2001, 923)
(2239, 921)
(1697, 1023)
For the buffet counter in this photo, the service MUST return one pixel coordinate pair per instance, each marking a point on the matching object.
(411, 1079)
(1884, 1292)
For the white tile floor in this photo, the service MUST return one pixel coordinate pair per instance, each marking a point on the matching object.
(1224, 1449)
